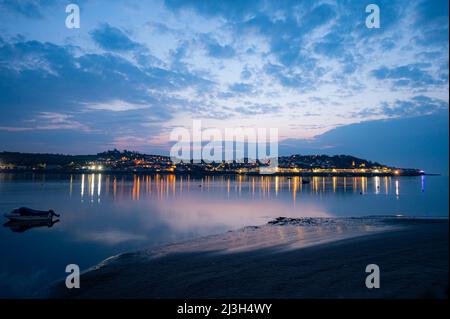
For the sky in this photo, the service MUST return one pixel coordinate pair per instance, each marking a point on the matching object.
(136, 70)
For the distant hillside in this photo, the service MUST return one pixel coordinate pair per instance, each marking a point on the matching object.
(28, 159)
(301, 161)
(326, 161)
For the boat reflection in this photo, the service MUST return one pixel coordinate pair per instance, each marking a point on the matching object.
(22, 226)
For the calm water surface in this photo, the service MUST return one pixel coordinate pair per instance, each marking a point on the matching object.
(103, 215)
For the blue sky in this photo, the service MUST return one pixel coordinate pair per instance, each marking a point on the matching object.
(134, 71)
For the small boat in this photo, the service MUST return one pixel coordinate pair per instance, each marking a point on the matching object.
(28, 214)
(305, 181)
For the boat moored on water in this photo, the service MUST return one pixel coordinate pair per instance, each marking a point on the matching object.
(28, 214)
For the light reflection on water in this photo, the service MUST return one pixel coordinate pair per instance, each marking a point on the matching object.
(103, 214)
(262, 187)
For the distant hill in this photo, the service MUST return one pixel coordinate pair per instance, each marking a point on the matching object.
(28, 159)
(303, 161)
(326, 161)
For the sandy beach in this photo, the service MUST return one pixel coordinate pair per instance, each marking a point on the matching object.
(286, 258)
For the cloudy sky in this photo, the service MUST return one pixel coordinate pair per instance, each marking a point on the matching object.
(135, 71)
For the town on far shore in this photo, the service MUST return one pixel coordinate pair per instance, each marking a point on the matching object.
(115, 161)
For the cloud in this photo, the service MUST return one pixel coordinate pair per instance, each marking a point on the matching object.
(255, 109)
(30, 9)
(49, 121)
(418, 105)
(51, 75)
(241, 88)
(231, 8)
(51, 87)
(215, 49)
(412, 74)
(299, 80)
(116, 106)
(311, 64)
(218, 51)
(113, 39)
(246, 74)
(413, 142)
(432, 13)
(317, 16)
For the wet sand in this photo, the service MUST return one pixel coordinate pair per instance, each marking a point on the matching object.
(287, 259)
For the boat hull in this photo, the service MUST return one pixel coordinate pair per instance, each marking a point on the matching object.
(28, 214)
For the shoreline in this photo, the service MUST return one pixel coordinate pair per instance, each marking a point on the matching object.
(202, 174)
(286, 258)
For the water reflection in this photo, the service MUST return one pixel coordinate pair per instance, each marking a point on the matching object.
(262, 187)
(377, 184)
(82, 185)
(106, 214)
(22, 226)
(397, 188)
